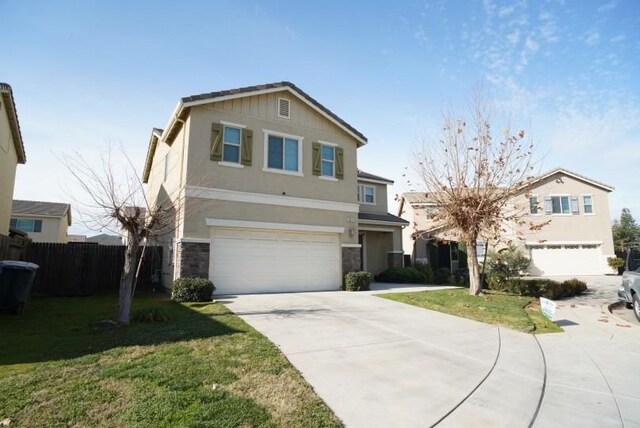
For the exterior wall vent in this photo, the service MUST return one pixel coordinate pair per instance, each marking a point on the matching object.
(284, 108)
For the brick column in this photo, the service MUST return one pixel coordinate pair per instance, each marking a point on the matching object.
(395, 259)
(193, 259)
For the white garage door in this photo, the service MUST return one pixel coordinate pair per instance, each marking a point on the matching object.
(566, 260)
(262, 261)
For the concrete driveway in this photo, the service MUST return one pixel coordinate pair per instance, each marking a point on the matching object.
(379, 363)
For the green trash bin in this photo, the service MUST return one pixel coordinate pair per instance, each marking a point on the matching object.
(16, 279)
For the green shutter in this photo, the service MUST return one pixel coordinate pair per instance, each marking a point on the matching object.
(216, 142)
(339, 163)
(316, 158)
(247, 147)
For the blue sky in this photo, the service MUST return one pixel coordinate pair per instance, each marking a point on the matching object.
(89, 73)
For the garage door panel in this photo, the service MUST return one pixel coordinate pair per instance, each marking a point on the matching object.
(254, 261)
(566, 260)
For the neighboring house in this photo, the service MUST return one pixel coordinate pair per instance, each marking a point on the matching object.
(11, 153)
(104, 239)
(43, 221)
(380, 233)
(577, 241)
(263, 181)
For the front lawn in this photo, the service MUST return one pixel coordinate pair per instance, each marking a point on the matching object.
(204, 367)
(516, 312)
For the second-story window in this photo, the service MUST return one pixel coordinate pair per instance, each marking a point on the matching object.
(533, 204)
(328, 160)
(587, 200)
(26, 225)
(231, 144)
(367, 195)
(283, 153)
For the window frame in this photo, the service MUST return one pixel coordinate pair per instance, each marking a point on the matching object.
(33, 221)
(561, 213)
(225, 143)
(362, 194)
(333, 147)
(584, 206)
(537, 205)
(299, 139)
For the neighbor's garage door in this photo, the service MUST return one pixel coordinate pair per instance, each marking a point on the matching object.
(566, 260)
(260, 261)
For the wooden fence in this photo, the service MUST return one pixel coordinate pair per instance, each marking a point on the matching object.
(14, 248)
(78, 269)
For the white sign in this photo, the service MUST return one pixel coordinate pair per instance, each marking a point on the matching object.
(548, 307)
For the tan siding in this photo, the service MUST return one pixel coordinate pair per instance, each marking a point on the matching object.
(8, 164)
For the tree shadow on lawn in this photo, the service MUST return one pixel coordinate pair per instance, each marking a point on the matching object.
(58, 328)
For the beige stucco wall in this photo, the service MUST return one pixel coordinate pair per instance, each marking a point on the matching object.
(377, 244)
(198, 210)
(54, 229)
(8, 163)
(258, 114)
(570, 227)
(380, 207)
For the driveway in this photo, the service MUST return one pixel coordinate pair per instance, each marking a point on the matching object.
(379, 363)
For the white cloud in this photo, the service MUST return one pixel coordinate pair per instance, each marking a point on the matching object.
(506, 11)
(617, 39)
(421, 36)
(607, 7)
(514, 37)
(592, 38)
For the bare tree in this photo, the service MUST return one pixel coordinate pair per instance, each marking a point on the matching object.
(472, 176)
(117, 202)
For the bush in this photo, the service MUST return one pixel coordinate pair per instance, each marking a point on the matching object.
(427, 271)
(150, 315)
(443, 276)
(357, 281)
(403, 275)
(507, 263)
(615, 262)
(192, 290)
(541, 287)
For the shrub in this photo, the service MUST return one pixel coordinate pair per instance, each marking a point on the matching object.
(150, 315)
(443, 276)
(507, 263)
(192, 290)
(357, 281)
(542, 287)
(615, 262)
(427, 271)
(403, 275)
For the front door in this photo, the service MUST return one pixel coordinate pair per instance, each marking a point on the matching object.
(444, 255)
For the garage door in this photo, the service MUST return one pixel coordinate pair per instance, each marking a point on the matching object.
(262, 261)
(566, 260)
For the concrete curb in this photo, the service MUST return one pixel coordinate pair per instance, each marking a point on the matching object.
(610, 306)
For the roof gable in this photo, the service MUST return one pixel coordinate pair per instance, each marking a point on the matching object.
(8, 105)
(574, 175)
(41, 208)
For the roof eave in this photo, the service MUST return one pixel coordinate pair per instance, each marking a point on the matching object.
(14, 123)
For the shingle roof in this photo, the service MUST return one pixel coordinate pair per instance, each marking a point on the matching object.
(283, 84)
(40, 208)
(6, 98)
(364, 174)
(390, 218)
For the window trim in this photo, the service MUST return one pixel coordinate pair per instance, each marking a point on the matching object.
(265, 165)
(569, 213)
(362, 194)
(226, 125)
(584, 211)
(333, 160)
(539, 209)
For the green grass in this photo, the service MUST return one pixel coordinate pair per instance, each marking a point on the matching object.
(202, 367)
(516, 312)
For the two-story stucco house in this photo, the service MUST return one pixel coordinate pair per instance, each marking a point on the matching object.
(265, 187)
(42, 221)
(577, 240)
(11, 153)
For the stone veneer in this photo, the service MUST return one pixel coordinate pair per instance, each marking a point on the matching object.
(350, 260)
(193, 259)
(395, 259)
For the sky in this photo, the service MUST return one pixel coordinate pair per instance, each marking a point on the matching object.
(86, 74)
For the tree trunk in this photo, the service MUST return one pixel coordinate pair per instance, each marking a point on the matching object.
(475, 286)
(126, 280)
